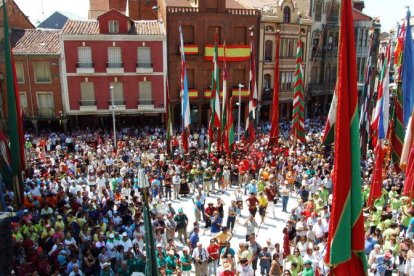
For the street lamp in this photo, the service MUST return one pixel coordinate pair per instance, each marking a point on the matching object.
(113, 113)
(238, 116)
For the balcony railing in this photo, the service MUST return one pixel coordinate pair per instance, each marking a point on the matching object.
(87, 102)
(114, 65)
(144, 64)
(321, 88)
(85, 65)
(146, 102)
(46, 112)
(116, 102)
(332, 19)
(43, 79)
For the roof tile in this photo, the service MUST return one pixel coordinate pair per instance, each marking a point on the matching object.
(91, 27)
(32, 41)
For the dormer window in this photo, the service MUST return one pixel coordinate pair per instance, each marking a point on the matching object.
(113, 26)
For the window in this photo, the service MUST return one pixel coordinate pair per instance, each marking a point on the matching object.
(267, 81)
(314, 75)
(366, 38)
(330, 42)
(286, 79)
(328, 75)
(144, 57)
(45, 104)
(190, 78)
(286, 15)
(268, 50)
(333, 74)
(145, 93)
(42, 72)
(318, 11)
(113, 26)
(118, 90)
(332, 12)
(240, 35)
(188, 34)
(361, 38)
(87, 94)
(114, 58)
(84, 57)
(23, 102)
(239, 77)
(315, 44)
(19, 72)
(211, 32)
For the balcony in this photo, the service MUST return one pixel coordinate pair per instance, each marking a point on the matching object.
(114, 67)
(267, 94)
(85, 67)
(118, 103)
(321, 88)
(144, 67)
(87, 105)
(145, 104)
(46, 112)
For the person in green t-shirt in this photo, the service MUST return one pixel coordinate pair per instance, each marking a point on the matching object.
(308, 270)
(186, 261)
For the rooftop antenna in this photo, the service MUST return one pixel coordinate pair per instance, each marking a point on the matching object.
(41, 6)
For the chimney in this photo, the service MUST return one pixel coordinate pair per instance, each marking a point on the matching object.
(359, 5)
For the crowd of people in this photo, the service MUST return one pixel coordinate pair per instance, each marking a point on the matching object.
(83, 206)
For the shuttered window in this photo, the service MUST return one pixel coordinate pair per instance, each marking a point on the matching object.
(19, 72)
(145, 93)
(84, 57)
(114, 57)
(113, 26)
(87, 94)
(23, 101)
(144, 57)
(42, 72)
(45, 104)
(118, 91)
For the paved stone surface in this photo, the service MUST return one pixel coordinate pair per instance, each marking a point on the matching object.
(271, 228)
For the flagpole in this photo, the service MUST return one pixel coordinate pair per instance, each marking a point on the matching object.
(238, 116)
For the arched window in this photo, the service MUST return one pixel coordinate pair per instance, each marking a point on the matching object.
(268, 50)
(267, 81)
(286, 15)
(318, 11)
(332, 12)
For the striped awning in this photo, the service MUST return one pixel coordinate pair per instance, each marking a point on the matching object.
(233, 52)
(192, 93)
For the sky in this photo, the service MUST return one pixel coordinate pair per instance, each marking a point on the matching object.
(389, 11)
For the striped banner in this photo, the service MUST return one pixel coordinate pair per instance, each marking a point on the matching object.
(298, 114)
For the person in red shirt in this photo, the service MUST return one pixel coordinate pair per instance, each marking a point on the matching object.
(252, 202)
(213, 251)
(209, 211)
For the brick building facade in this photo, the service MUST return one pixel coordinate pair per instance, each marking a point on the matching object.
(134, 9)
(199, 21)
(37, 62)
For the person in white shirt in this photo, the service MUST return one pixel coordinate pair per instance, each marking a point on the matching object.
(244, 268)
(200, 257)
(125, 242)
(176, 184)
(319, 230)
